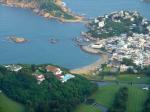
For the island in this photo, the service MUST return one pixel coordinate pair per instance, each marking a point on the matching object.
(47, 8)
(17, 39)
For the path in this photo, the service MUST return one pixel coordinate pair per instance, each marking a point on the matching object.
(105, 83)
(100, 107)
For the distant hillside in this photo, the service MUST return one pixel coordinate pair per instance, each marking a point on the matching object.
(46, 8)
(146, 0)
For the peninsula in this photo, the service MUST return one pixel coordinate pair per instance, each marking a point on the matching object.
(123, 36)
(55, 9)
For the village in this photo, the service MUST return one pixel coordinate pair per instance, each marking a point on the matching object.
(136, 48)
(117, 23)
(40, 77)
(121, 35)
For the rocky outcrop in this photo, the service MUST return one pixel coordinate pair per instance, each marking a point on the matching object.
(17, 39)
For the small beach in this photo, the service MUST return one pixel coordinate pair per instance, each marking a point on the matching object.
(94, 66)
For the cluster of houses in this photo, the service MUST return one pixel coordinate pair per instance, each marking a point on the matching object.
(13, 67)
(132, 42)
(133, 20)
(63, 77)
(135, 47)
(56, 71)
(59, 73)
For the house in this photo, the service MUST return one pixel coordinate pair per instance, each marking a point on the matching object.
(148, 28)
(101, 24)
(53, 69)
(59, 76)
(145, 88)
(14, 68)
(124, 68)
(96, 46)
(40, 78)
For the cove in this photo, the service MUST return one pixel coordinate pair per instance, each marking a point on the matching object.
(38, 30)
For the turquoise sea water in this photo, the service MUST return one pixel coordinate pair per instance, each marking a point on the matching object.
(38, 30)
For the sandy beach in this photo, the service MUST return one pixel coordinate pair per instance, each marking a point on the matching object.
(92, 67)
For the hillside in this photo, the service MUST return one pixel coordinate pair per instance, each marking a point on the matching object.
(146, 0)
(44, 88)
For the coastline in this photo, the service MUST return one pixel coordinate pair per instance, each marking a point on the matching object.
(45, 14)
(88, 69)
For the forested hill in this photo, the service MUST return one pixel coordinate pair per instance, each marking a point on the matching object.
(53, 8)
(49, 96)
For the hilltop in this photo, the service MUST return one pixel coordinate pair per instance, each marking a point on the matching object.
(117, 23)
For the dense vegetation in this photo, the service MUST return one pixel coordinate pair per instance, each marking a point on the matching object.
(50, 96)
(120, 102)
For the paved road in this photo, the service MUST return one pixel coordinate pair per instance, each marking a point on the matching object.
(100, 84)
(100, 107)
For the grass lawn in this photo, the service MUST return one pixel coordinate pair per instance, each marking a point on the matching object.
(136, 99)
(8, 105)
(105, 95)
(134, 78)
(86, 108)
(109, 78)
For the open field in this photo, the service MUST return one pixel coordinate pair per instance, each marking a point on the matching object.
(124, 78)
(136, 99)
(105, 96)
(8, 105)
(134, 78)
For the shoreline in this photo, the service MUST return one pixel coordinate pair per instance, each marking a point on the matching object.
(45, 14)
(88, 69)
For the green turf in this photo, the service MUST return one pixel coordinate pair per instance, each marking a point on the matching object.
(136, 99)
(134, 78)
(86, 108)
(8, 105)
(105, 95)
